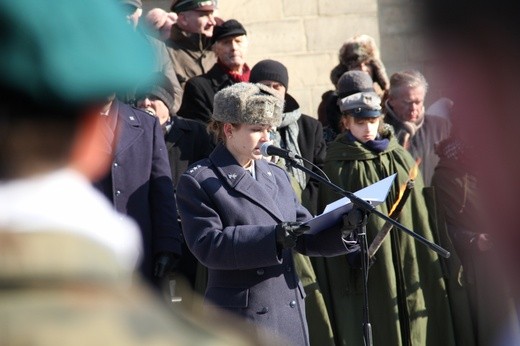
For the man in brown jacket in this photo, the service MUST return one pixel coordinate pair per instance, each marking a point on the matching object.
(189, 43)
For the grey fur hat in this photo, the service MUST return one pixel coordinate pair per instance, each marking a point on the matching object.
(248, 103)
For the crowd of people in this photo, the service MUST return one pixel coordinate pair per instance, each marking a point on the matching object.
(126, 173)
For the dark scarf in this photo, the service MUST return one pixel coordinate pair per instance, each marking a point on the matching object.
(377, 145)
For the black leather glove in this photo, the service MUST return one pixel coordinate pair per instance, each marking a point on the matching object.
(166, 262)
(287, 234)
(351, 221)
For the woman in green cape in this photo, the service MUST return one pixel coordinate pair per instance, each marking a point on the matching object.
(408, 304)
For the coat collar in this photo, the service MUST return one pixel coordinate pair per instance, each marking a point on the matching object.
(262, 191)
(190, 42)
(128, 125)
(218, 77)
(179, 128)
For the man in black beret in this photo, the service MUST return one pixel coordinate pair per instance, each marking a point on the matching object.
(230, 44)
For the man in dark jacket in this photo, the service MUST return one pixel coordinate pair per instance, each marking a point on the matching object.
(140, 185)
(230, 43)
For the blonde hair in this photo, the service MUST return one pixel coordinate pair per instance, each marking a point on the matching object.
(216, 129)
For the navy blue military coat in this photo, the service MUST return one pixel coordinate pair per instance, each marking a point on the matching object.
(229, 221)
(140, 184)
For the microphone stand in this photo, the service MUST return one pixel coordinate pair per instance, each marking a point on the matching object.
(357, 219)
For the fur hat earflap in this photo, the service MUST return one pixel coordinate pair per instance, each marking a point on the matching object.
(379, 74)
(248, 103)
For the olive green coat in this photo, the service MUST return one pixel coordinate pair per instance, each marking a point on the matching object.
(407, 296)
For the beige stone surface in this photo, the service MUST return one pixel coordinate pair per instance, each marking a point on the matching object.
(300, 8)
(249, 11)
(329, 33)
(397, 19)
(333, 7)
(277, 37)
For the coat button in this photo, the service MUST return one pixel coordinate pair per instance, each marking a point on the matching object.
(116, 164)
(264, 310)
(260, 272)
(118, 193)
(289, 269)
(292, 304)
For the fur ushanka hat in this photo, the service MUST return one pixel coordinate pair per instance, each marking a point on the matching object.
(248, 103)
(356, 50)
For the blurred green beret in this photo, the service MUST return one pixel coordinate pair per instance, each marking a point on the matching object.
(69, 50)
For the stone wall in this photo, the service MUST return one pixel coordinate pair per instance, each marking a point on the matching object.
(306, 35)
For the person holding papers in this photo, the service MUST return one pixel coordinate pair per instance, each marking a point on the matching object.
(242, 220)
(408, 304)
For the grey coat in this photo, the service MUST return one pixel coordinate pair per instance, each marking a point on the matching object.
(229, 222)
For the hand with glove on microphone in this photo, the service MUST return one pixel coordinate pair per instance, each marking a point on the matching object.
(287, 234)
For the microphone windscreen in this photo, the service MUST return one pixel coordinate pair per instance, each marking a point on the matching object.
(264, 148)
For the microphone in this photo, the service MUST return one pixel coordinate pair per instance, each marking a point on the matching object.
(270, 150)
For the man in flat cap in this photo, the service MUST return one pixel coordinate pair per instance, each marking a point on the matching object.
(189, 45)
(230, 44)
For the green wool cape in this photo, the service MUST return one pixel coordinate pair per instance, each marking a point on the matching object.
(408, 303)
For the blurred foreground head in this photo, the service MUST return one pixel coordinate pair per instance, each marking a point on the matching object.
(60, 59)
(479, 51)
